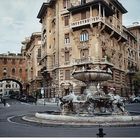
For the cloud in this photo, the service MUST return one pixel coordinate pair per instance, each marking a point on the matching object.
(133, 11)
(17, 20)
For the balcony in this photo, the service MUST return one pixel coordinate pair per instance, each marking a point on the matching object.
(87, 21)
(90, 60)
(93, 20)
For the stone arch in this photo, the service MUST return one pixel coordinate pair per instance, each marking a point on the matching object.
(14, 80)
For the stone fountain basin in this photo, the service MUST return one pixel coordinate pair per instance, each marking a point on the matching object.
(94, 120)
(91, 75)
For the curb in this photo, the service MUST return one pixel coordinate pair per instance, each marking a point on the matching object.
(48, 122)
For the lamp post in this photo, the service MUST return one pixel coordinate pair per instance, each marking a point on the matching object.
(43, 83)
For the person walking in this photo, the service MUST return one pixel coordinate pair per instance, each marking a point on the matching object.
(4, 102)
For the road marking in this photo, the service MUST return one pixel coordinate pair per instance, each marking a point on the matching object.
(9, 120)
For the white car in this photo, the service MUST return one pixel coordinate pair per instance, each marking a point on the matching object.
(136, 99)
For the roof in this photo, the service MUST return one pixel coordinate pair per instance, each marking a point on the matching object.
(44, 7)
(119, 6)
(129, 32)
(42, 10)
(136, 25)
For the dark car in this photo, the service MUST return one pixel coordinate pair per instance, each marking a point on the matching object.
(27, 98)
(30, 98)
(23, 98)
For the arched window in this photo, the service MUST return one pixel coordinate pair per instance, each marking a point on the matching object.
(13, 71)
(20, 72)
(5, 61)
(4, 71)
(44, 36)
(84, 36)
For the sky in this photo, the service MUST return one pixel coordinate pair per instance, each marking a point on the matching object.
(18, 19)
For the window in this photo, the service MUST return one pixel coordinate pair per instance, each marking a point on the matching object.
(66, 56)
(8, 86)
(66, 20)
(83, 15)
(44, 36)
(1, 85)
(67, 38)
(84, 36)
(13, 85)
(67, 74)
(20, 61)
(5, 61)
(118, 16)
(83, 1)
(4, 71)
(13, 61)
(39, 53)
(13, 71)
(66, 4)
(84, 53)
(53, 59)
(20, 72)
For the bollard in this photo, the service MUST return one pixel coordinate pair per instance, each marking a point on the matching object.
(101, 133)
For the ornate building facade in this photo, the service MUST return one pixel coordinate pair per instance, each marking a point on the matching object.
(78, 32)
(32, 51)
(135, 29)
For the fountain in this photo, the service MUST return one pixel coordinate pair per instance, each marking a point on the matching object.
(93, 107)
(94, 101)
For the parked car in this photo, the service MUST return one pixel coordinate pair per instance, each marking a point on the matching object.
(30, 98)
(23, 98)
(136, 99)
(27, 98)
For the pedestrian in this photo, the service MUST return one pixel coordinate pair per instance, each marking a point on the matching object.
(35, 101)
(4, 102)
(57, 99)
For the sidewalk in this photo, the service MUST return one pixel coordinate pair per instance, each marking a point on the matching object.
(2, 105)
(45, 102)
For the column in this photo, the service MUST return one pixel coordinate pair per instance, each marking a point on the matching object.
(90, 11)
(99, 9)
(71, 20)
(103, 13)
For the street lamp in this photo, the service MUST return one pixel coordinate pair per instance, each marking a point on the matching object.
(43, 83)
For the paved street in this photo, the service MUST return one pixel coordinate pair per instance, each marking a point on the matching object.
(10, 129)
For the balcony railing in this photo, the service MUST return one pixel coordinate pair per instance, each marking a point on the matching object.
(92, 20)
(91, 60)
(87, 21)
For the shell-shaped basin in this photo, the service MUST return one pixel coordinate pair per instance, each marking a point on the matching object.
(91, 75)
